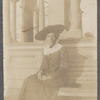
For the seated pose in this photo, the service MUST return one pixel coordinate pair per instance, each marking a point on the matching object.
(45, 84)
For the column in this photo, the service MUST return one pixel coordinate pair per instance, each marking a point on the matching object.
(23, 19)
(36, 24)
(41, 15)
(75, 14)
(75, 20)
(6, 20)
(13, 20)
(28, 7)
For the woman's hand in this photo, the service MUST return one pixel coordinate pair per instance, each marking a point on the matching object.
(39, 74)
(48, 76)
(43, 77)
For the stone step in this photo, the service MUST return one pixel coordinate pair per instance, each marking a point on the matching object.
(75, 98)
(22, 74)
(64, 94)
(77, 92)
(18, 84)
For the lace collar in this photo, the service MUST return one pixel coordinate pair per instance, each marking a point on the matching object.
(47, 50)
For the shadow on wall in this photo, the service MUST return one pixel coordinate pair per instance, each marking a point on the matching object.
(76, 64)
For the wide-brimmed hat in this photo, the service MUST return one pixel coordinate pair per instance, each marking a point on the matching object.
(56, 29)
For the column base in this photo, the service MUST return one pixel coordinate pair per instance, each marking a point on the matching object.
(72, 33)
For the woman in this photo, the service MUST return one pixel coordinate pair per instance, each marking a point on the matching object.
(45, 84)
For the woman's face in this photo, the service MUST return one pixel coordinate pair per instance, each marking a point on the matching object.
(51, 39)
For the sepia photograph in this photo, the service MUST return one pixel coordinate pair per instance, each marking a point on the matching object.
(50, 49)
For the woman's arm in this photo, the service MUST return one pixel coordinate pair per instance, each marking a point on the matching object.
(63, 64)
(42, 74)
(40, 71)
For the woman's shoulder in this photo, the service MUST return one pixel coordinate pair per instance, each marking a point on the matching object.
(64, 50)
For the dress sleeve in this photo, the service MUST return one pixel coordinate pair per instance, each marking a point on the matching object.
(43, 66)
(63, 64)
(42, 62)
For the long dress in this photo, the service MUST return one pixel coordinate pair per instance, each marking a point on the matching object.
(55, 64)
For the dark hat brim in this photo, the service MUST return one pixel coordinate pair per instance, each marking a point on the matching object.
(56, 29)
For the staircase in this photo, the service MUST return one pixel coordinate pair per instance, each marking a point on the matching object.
(23, 60)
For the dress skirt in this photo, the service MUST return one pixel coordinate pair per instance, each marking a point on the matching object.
(35, 89)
